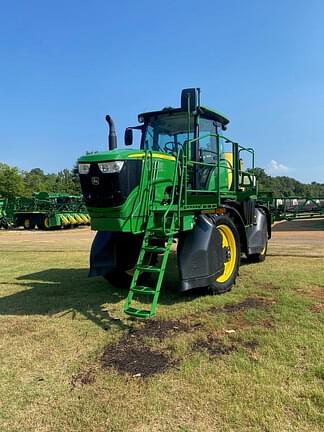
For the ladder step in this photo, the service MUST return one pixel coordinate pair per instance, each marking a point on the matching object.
(139, 313)
(143, 290)
(148, 268)
(154, 249)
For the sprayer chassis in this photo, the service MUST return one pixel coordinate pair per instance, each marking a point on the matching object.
(191, 187)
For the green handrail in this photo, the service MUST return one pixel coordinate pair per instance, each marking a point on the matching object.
(180, 178)
(138, 202)
(174, 185)
(236, 148)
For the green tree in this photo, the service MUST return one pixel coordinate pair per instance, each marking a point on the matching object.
(65, 182)
(11, 181)
(35, 181)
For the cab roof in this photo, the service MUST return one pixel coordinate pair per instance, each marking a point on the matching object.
(205, 111)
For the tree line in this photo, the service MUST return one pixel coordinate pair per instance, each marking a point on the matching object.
(287, 186)
(16, 182)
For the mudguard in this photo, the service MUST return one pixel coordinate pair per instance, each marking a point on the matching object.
(113, 251)
(257, 233)
(200, 255)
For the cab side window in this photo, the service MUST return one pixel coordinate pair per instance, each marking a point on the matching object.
(207, 143)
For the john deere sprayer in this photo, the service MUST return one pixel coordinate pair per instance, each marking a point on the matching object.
(184, 184)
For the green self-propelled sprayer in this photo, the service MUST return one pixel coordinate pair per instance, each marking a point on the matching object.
(185, 184)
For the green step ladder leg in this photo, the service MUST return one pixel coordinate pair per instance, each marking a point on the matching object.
(140, 267)
(161, 276)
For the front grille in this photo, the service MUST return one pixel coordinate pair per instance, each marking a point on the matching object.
(110, 190)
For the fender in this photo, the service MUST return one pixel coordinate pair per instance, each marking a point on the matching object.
(113, 251)
(200, 255)
(268, 215)
(257, 233)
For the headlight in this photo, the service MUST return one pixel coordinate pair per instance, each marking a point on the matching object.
(111, 167)
(84, 168)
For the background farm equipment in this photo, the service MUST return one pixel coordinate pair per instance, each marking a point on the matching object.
(46, 211)
(293, 207)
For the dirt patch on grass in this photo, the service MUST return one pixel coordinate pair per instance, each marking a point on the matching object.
(214, 346)
(159, 329)
(132, 356)
(267, 323)
(269, 286)
(314, 292)
(238, 322)
(137, 360)
(251, 345)
(248, 303)
(317, 308)
(83, 378)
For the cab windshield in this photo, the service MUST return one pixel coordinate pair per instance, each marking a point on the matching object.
(167, 132)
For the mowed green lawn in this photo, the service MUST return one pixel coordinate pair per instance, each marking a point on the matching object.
(249, 360)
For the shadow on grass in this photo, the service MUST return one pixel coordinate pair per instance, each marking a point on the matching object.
(69, 290)
(55, 291)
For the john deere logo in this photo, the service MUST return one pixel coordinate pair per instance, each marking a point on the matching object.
(95, 181)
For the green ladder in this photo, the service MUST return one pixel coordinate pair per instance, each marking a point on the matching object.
(153, 292)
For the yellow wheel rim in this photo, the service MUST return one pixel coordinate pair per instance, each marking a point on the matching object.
(228, 242)
(46, 222)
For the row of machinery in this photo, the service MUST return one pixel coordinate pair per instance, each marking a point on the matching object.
(293, 207)
(44, 210)
(185, 184)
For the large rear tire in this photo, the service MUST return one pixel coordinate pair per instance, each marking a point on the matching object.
(44, 224)
(28, 224)
(232, 253)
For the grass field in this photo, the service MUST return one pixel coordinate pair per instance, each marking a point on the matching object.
(250, 360)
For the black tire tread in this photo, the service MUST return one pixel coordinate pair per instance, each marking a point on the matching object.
(221, 288)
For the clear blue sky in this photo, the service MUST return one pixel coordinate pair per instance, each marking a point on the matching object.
(65, 64)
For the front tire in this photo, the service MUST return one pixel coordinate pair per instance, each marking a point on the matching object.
(232, 253)
(123, 278)
(118, 278)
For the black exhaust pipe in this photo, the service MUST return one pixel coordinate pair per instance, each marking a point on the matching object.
(112, 137)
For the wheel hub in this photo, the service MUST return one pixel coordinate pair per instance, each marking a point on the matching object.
(227, 253)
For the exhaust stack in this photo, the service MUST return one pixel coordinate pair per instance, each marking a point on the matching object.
(112, 137)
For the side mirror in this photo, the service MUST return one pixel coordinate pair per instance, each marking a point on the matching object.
(128, 138)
